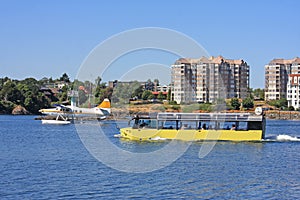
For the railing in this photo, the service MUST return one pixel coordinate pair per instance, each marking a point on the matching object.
(208, 117)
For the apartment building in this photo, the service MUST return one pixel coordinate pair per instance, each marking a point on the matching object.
(293, 93)
(277, 75)
(209, 79)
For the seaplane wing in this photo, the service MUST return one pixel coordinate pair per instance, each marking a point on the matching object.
(57, 109)
(101, 111)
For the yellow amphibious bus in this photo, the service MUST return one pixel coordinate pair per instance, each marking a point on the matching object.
(197, 126)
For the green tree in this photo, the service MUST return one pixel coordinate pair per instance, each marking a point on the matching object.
(149, 85)
(281, 103)
(248, 103)
(291, 108)
(161, 96)
(156, 82)
(10, 92)
(169, 95)
(259, 94)
(151, 96)
(98, 80)
(6, 107)
(138, 92)
(146, 94)
(235, 103)
(82, 97)
(65, 78)
(123, 92)
(105, 93)
(3, 81)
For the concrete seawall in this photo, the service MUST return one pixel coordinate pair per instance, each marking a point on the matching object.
(287, 115)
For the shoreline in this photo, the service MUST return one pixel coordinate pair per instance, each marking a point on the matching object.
(270, 115)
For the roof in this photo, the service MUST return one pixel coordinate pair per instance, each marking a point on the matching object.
(212, 59)
(281, 61)
(55, 90)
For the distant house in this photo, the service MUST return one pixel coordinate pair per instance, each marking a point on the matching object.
(55, 91)
(57, 84)
(47, 91)
(51, 93)
(113, 84)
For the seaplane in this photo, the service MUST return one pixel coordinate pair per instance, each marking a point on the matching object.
(64, 114)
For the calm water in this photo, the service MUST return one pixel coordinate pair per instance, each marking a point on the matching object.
(50, 162)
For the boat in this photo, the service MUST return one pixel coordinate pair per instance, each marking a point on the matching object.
(197, 126)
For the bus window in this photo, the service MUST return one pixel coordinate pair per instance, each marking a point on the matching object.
(242, 126)
(255, 125)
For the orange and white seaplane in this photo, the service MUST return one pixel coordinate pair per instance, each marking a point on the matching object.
(64, 114)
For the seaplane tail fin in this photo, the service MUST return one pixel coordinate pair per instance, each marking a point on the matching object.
(105, 106)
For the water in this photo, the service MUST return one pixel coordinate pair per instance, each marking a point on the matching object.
(50, 162)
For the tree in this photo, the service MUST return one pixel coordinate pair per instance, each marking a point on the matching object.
(281, 103)
(105, 93)
(82, 97)
(3, 81)
(156, 82)
(248, 103)
(149, 85)
(34, 102)
(65, 78)
(161, 96)
(138, 92)
(10, 92)
(146, 94)
(291, 108)
(169, 95)
(122, 92)
(98, 80)
(235, 103)
(259, 93)
(151, 96)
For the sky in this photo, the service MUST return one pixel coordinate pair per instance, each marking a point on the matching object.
(48, 38)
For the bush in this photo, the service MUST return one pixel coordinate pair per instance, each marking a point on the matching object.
(206, 107)
(190, 108)
(173, 103)
(158, 107)
(175, 107)
(235, 103)
(281, 103)
(291, 108)
(248, 103)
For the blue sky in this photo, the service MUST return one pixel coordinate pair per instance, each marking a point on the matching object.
(48, 38)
